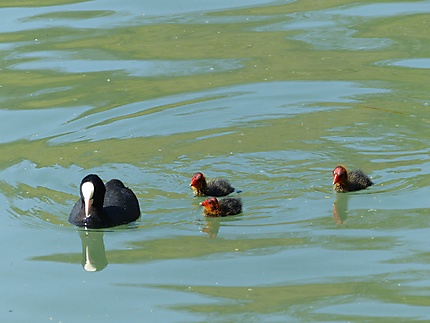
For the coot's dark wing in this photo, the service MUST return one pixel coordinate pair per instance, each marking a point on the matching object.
(358, 180)
(120, 204)
(219, 187)
(230, 206)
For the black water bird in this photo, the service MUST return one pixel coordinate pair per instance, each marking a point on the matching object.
(103, 206)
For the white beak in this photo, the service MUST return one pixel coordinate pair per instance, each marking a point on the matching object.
(87, 193)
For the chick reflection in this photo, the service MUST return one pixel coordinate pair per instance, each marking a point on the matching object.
(340, 208)
(211, 227)
(93, 250)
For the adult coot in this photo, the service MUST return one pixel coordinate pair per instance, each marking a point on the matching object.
(353, 180)
(103, 206)
(227, 206)
(214, 187)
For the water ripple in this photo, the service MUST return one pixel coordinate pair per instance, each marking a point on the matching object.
(64, 62)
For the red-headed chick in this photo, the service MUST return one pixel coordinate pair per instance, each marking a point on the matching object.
(216, 208)
(349, 181)
(214, 187)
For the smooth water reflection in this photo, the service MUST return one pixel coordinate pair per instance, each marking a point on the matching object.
(106, 14)
(65, 62)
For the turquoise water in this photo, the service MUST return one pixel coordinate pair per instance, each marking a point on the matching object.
(269, 94)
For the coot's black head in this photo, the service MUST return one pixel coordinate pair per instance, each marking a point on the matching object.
(92, 193)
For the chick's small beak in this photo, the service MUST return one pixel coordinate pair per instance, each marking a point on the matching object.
(335, 178)
(204, 203)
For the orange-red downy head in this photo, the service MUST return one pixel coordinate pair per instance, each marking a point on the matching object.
(339, 175)
(197, 180)
(210, 204)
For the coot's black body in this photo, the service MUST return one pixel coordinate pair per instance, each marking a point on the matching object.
(110, 205)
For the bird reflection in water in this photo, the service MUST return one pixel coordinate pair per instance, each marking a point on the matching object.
(211, 227)
(340, 208)
(93, 250)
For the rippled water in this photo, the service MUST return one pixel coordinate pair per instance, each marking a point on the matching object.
(270, 94)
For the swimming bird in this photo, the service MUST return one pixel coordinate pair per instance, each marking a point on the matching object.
(349, 181)
(215, 187)
(227, 206)
(103, 206)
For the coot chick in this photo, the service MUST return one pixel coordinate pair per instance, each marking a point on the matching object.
(103, 206)
(215, 187)
(353, 180)
(223, 207)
